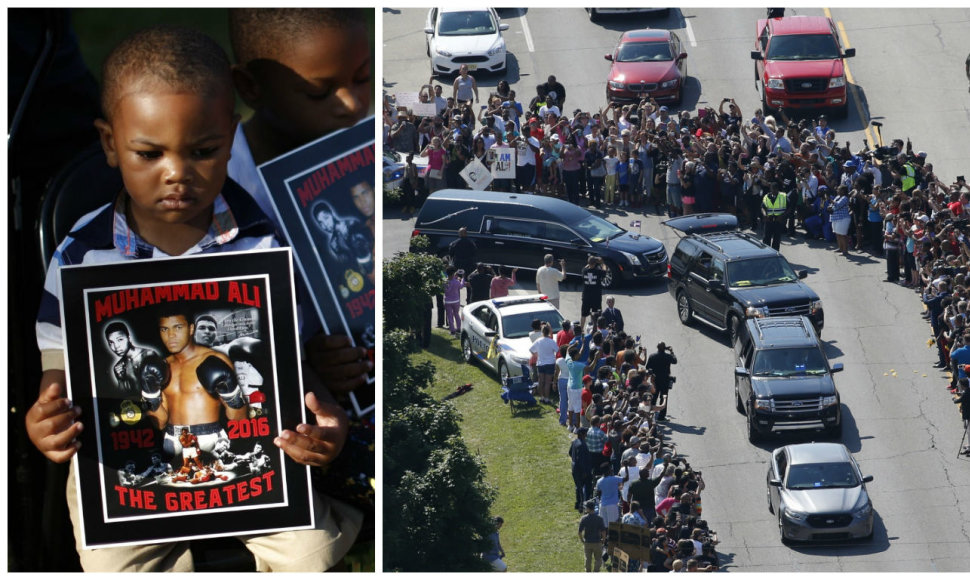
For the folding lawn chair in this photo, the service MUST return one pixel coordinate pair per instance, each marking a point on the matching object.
(518, 390)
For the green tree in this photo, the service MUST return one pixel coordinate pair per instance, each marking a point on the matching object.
(410, 282)
(436, 514)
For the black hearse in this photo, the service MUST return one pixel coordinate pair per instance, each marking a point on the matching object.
(519, 229)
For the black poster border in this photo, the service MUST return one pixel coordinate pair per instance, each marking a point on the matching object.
(293, 511)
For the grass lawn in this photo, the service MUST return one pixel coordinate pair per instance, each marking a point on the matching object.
(526, 461)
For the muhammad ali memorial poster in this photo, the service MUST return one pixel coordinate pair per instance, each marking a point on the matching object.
(186, 368)
(323, 194)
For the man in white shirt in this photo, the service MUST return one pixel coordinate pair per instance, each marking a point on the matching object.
(548, 279)
(525, 160)
(549, 108)
(440, 102)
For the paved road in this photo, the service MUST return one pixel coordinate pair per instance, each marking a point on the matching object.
(898, 417)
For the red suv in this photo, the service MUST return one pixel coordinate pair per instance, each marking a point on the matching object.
(647, 63)
(798, 60)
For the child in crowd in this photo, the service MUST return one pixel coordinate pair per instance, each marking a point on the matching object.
(305, 73)
(611, 161)
(168, 127)
(623, 178)
(453, 286)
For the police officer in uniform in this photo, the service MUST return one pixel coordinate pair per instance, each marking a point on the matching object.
(774, 207)
(907, 173)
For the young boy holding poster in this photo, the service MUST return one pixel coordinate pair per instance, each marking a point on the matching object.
(169, 124)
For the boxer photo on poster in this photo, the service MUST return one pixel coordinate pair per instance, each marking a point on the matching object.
(189, 379)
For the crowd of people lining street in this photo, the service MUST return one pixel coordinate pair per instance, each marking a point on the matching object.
(623, 469)
(613, 396)
(775, 173)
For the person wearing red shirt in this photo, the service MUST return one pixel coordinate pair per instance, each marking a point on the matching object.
(565, 335)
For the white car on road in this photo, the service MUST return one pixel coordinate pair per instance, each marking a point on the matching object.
(461, 35)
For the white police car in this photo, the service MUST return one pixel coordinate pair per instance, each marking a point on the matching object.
(394, 166)
(508, 321)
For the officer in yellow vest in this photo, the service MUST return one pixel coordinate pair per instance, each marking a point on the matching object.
(908, 174)
(774, 207)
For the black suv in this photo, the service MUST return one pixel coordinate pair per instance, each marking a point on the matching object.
(518, 230)
(782, 379)
(722, 276)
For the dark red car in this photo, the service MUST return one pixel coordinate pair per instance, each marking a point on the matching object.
(799, 62)
(647, 63)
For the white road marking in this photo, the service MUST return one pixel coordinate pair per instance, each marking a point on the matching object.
(690, 32)
(525, 31)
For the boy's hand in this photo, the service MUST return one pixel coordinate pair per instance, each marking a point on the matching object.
(340, 366)
(51, 421)
(319, 442)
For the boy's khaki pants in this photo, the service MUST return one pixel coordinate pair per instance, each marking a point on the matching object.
(336, 527)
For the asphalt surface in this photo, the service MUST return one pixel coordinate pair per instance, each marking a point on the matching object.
(898, 418)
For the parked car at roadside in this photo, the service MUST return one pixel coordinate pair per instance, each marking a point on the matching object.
(393, 168)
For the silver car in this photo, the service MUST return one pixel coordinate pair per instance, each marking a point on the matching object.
(818, 493)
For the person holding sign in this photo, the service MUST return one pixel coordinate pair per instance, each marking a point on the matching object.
(168, 127)
(437, 159)
(305, 73)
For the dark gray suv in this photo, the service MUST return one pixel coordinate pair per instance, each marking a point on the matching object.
(782, 379)
(722, 276)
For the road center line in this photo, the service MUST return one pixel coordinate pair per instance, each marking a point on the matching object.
(528, 35)
(852, 88)
(690, 32)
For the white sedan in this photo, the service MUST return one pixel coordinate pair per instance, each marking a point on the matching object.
(508, 322)
(472, 36)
